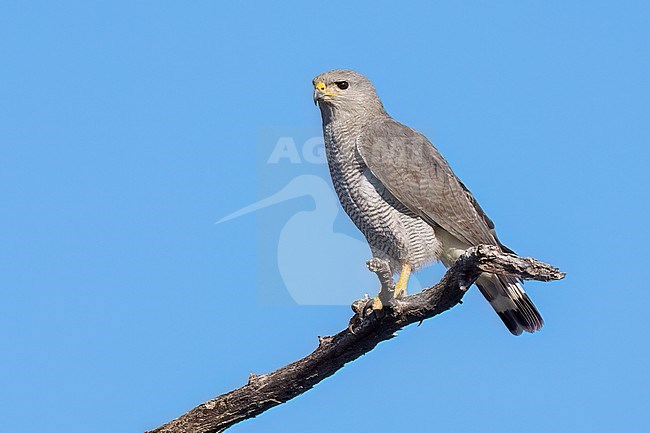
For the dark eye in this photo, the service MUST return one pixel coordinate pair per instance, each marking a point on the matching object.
(342, 84)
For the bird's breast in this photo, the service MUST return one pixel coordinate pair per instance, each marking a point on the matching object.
(392, 230)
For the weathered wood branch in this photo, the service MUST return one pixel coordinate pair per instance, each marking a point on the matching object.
(268, 390)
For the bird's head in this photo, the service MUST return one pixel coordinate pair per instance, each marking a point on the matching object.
(345, 91)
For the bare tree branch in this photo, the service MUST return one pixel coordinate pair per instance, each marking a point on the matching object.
(268, 390)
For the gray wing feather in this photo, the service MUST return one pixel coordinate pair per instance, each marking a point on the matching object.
(408, 165)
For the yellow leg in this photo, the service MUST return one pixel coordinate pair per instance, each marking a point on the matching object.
(400, 290)
(402, 282)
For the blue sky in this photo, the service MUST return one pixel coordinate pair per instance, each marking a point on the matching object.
(128, 128)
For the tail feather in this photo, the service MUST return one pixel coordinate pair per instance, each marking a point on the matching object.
(511, 303)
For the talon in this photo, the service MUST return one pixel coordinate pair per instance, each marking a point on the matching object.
(373, 306)
(360, 304)
(354, 322)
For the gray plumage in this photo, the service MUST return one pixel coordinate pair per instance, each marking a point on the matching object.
(403, 196)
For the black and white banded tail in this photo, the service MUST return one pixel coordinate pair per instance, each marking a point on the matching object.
(511, 303)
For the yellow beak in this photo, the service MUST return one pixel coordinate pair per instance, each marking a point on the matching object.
(320, 92)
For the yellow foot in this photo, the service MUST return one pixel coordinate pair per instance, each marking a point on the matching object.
(402, 282)
(373, 306)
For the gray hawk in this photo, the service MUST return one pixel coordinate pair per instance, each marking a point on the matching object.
(403, 196)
